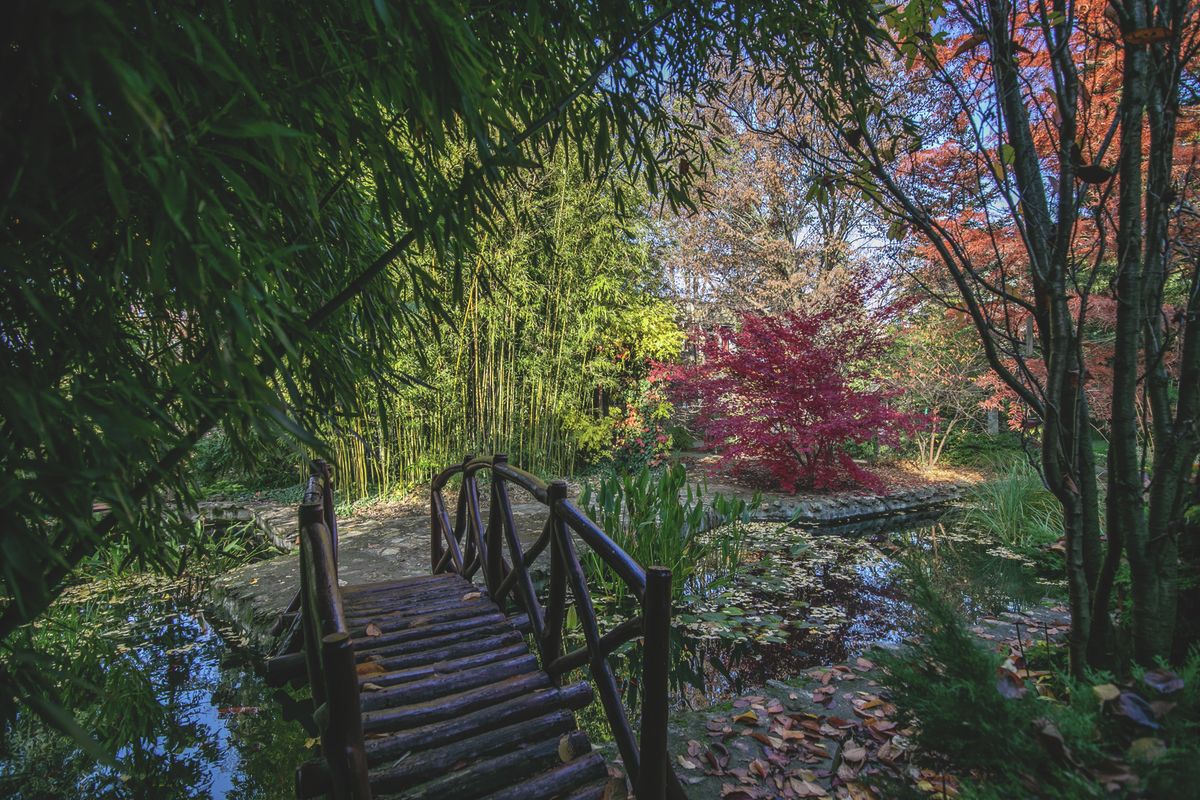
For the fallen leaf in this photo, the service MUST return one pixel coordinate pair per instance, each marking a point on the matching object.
(369, 668)
(747, 717)
(615, 788)
(1134, 707)
(804, 788)
(759, 767)
(687, 764)
(853, 751)
(1161, 707)
(1163, 680)
(1107, 692)
(1009, 684)
(1053, 741)
(371, 687)
(373, 629)
(1146, 749)
(566, 749)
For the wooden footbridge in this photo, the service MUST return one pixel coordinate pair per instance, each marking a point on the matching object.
(426, 687)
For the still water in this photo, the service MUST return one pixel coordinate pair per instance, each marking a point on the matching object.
(176, 702)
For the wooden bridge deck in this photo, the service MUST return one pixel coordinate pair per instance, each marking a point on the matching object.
(453, 703)
(426, 687)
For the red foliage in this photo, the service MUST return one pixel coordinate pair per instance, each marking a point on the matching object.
(790, 392)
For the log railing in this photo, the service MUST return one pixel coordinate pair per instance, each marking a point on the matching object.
(469, 547)
(328, 654)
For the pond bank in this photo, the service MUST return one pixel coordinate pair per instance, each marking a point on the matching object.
(827, 731)
(848, 507)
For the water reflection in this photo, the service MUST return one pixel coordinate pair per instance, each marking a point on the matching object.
(184, 714)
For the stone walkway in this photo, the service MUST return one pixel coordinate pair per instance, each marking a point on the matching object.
(377, 543)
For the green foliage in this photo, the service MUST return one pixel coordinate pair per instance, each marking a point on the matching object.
(661, 519)
(946, 685)
(218, 467)
(200, 204)
(1016, 508)
(984, 450)
(532, 363)
(1005, 744)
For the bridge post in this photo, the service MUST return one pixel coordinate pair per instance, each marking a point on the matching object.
(342, 739)
(656, 654)
(495, 530)
(551, 644)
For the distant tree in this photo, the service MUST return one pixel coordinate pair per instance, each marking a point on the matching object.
(936, 365)
(789, 392)
(762, 241)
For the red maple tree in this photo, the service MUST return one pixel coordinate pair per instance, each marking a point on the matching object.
(790, 392)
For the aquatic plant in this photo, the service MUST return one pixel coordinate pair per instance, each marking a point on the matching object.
(659, 517)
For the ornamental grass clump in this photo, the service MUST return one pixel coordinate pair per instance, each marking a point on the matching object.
(660, 518)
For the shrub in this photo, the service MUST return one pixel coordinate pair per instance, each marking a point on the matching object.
(791, 392)
(1003, 739)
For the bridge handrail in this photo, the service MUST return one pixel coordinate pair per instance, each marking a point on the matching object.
(328, 652)
(468, 547)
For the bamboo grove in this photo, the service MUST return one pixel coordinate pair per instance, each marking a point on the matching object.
(529, 363)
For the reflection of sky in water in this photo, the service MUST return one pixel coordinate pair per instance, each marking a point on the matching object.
(214, 730)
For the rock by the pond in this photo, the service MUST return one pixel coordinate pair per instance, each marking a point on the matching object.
(856, 507)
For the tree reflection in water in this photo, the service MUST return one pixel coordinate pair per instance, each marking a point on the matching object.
(182, 711)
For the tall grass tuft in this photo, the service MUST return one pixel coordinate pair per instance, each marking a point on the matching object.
(662, 519)
(1016, 508)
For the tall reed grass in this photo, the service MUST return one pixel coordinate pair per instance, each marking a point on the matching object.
(1016, 508)
(662, 519)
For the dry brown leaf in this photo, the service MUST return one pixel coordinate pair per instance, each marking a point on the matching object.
(853, 751)
(471, 596)
(804, 788)
(373, 629)
(747, 717)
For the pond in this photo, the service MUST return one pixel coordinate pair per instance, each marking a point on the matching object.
(178, 703)
(810, 596)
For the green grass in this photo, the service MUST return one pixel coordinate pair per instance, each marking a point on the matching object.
(1016, 509)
